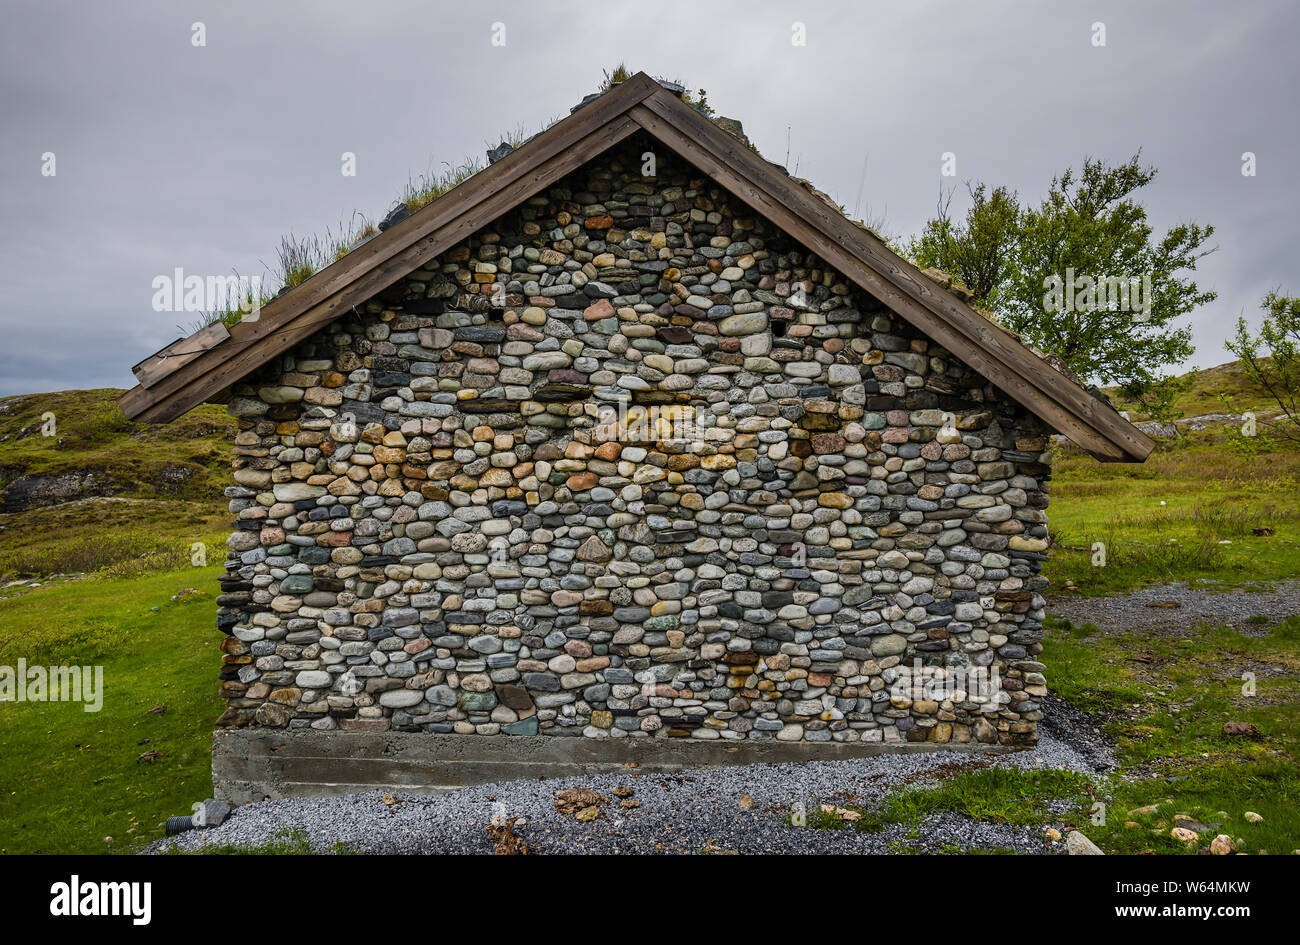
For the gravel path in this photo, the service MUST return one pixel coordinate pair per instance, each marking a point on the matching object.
(1140, 611)
(693, 811)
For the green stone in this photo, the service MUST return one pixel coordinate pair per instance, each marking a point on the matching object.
(297, 584)
(478, 701)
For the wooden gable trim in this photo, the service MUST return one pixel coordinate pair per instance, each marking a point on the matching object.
(180, 352)
(641, 103)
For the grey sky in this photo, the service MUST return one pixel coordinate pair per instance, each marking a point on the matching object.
(172, 156)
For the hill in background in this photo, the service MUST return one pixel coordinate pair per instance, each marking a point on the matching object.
(1221, 389)
(102, 490)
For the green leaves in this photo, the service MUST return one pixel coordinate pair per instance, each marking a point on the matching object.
(978, 251)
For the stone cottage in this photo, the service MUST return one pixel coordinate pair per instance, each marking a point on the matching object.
(630, 446)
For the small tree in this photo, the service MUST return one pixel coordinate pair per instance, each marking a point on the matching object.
(1094, 226)
(1089, 233)
(1279, 372)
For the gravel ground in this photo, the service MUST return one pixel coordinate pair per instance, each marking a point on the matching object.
(1066, 723)
(1137, 611)
(692, 811)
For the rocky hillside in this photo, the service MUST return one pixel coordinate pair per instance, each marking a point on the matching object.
(1218, 398)
(70, 445)
(1224, 389)
(81, 486)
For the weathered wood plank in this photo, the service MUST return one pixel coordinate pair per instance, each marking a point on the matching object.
(179, 353)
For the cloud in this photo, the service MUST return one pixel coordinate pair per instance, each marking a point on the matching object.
(170, 155)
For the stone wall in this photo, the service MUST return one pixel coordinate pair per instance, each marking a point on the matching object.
(444, 524)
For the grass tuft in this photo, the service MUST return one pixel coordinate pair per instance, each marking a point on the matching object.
(429, 186)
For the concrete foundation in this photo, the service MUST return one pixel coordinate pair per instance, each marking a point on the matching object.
(256, 764)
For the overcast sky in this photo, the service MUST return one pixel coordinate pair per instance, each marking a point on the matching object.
(169, 154)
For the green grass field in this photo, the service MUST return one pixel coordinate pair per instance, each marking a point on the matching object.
(1164, 698)
(1228, 518)
(74, 781)
(1208, 506)
(157, 489)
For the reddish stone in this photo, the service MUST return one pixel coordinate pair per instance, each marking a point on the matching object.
(598, 310)
(582, 482)
(578, 649)
(567, 376)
